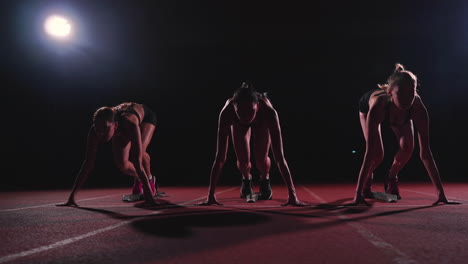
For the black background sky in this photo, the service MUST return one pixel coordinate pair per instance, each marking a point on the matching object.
(185, 58)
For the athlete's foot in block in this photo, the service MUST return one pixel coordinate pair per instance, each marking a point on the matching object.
(266, 193)
(160, 194)
(137, 187)
(209, 201)
(368, 193)
(386, 197)
(133, 197)
(391, 186)
(152, 184)
(251, 197)
(293, 201)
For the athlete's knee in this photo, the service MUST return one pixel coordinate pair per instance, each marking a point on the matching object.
(124, 167)
(146, 157)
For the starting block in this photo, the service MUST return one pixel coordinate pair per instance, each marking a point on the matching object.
(386, 197)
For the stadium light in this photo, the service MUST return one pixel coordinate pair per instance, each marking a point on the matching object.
(58, 27)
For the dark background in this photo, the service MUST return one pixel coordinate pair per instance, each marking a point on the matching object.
(185, 58)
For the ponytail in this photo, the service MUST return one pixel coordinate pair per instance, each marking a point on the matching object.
(399, 68)
(246, 93)
(400, 76)
(383, 86)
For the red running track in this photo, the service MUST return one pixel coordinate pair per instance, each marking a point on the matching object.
(106, 230)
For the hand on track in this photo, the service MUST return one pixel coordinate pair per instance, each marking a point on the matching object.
(209, 201)
(443, 200)
(294, 202)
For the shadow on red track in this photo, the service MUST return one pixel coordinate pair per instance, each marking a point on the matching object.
(182, 225)
(210, 228)
(176, 220)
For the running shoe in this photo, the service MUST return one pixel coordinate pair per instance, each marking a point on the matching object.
(391, 186)
(266, 193)
(137, 187)
(152, 183)
(246, 188)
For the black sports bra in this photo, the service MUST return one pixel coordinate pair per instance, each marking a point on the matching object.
(131, 110)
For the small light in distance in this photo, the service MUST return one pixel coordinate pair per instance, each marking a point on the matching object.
(57, 26)
(353, 151)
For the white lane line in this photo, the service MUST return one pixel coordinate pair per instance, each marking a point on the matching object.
(434, 195)
(89, 234)
(44, 205)
(400, 256)
(61, 243)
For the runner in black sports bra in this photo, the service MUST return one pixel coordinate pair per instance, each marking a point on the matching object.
(250, 115)
(398, 105)
(364, 107)
(149, 115)
(130, 135)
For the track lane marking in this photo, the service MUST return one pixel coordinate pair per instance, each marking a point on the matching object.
(401, 257)
(89, 234)
(61, 243)
(44, 205)
(434, 195)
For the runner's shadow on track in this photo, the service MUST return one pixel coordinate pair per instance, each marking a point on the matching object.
(339, 205)
(355, 219)
(179, 224)
(107, 212)
(342, 204)
(195, 229)
(182, 225)
(330, 210)
(242, 201)
(215, 227)
(121, 216)
(163, 204)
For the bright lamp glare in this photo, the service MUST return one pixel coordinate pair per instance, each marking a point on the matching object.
(57, 26)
